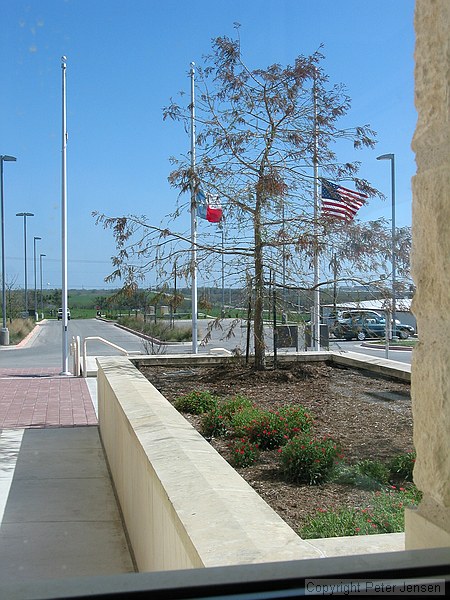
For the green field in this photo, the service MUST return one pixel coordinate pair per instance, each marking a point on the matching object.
(85, 303)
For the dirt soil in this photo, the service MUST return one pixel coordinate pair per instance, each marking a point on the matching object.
(369, 416)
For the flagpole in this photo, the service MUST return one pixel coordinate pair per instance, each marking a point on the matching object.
(315, 325)
(64, 320)
(193, 218)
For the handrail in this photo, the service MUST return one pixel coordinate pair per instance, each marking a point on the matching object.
(99, 339)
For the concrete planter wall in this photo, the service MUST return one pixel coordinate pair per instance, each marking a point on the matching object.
(183, 505)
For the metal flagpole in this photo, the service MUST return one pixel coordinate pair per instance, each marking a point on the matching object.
(193, 218)
(222, 227)
(315, 324)
(284, 258)
(64, 320)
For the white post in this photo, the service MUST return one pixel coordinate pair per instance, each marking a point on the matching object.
(387, 332)
(36, 316)
(64, 320)
(193, 218)
(315, 322)
(42, 298)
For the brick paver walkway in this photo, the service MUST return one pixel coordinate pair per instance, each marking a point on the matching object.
(42, 398)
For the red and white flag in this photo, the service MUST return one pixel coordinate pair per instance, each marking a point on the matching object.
(209, 207)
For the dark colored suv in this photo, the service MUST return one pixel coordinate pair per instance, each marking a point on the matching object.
(362, 324)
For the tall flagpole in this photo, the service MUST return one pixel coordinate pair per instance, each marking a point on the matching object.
(193, 218)
(315, 329)
(64, 320)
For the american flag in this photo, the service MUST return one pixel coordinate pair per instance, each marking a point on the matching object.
(340, 202)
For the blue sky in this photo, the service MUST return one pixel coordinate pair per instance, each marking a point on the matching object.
(125, 60)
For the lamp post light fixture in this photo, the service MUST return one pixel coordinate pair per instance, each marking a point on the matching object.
(391, 157)
(40, 271)
(25, 215)
(4, 333)
(35, 239)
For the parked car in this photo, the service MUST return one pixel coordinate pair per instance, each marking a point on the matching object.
(366, 324)
(60, 314)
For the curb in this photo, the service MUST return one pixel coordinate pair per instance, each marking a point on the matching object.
(141, 335)
(148, 337)
(33, 333)
(380, 347)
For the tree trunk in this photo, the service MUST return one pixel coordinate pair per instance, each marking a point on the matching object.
(258, 323)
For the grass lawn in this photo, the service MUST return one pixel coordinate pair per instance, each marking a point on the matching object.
(411, 342)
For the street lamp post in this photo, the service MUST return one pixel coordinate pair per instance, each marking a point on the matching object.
(40, 271)
(25, 215)
(391, 157)
(35, 277)
(4, 333)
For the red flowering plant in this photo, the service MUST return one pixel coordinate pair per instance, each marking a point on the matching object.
(306, 459)
(271, 429)
(296, 420)
(244, 453)
(263, 427)
(214, 423)
(217, 421)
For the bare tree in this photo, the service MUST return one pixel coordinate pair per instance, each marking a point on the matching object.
(14, 298)
(259, 132)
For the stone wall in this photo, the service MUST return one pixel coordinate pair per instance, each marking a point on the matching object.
(429, 525)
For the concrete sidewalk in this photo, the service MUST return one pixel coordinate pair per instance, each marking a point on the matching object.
(58, 512)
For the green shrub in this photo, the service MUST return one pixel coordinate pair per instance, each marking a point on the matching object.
(384, 515)
(161, 330)
(374, 469)
(196, 402)
(244, 453)
(334, 523)
(305, 459)
(374, 474)
(350, 475)
(235, 404)
(242, 419)
(401, 466)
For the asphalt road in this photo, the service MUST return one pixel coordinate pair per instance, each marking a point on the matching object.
(45, 348)
(353, 346)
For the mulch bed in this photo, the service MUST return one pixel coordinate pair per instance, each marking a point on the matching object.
(370, 417)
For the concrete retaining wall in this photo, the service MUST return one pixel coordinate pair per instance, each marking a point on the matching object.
(352, 360)
(183, 505)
